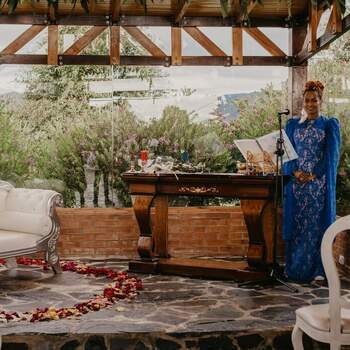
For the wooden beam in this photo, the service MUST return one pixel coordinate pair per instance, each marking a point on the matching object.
(235, 8)
(176, 46)
(334, 24)
(145, 41)
(250, 8)
(139, 21)
(23, 19)
(52, 50)
(83, 20)
(264, 41)
(222, 61)
(320, 11)
(237, 46)
(84, 41)
(115, 10)
(313, 24)
(52, 12)
(322, 42)
(22, 40)
(115, 45)
(23, 59)
(143, 60)
(92, 7)
(184, 4)
(204, 41)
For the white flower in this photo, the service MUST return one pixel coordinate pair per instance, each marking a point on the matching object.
(154, 143)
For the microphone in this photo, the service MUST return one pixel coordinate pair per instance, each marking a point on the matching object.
(284, 112)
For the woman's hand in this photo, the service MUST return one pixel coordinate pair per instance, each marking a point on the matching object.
(304, 177)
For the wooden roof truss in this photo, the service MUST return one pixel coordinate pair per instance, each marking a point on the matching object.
(180, 22)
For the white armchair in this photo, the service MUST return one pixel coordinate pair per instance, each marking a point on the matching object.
(28, 223)
(327, 323)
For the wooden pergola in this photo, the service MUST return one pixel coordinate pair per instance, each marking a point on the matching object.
(188, 16)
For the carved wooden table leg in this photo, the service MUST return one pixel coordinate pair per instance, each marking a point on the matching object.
(161, 227)
(253, 211)
(142, 207)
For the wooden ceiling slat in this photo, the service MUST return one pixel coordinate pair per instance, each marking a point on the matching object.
(182, 10)
(270, 8)
(250, 8)
(115, 9)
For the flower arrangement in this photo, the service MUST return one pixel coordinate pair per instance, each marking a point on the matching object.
(122, 286)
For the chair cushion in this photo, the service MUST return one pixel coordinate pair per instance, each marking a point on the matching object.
(3, 195)
(37, 224)
(317, 316)
(33, 201)
(12, 241)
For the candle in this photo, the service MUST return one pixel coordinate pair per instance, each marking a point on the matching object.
(144, 155)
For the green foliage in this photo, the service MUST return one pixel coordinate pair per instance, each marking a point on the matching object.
(258, 117)
(14, 154)
(343, 181)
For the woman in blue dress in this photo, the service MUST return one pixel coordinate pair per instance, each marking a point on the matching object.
(310, 202)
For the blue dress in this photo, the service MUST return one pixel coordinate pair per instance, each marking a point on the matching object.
(309, 208)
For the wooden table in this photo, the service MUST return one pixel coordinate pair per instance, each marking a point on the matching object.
(255, 194)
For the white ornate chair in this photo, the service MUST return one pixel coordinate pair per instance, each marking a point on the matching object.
(28, 223)
(327, 323)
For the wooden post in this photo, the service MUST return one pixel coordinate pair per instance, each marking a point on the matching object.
(52, 51)
(237, 46)
(115, 45)
(297, 75)
(176, 46)
(160, 234)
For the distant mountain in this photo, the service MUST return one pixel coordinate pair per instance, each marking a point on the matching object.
(226, 106)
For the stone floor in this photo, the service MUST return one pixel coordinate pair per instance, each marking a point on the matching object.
(170, 313)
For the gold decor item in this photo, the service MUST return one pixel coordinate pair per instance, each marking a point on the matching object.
(255, 165)
(197, 189)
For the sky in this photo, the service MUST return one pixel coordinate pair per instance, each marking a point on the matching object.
(208, 82)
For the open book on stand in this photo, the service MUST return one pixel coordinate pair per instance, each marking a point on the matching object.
(260, 154)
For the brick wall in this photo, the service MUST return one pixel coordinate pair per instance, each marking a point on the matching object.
(193, 231)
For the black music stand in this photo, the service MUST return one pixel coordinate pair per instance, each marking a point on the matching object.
(276, 275)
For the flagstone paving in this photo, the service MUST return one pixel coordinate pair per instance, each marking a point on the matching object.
(171, 312)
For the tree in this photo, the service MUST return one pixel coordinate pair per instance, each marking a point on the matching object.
(14, 153)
